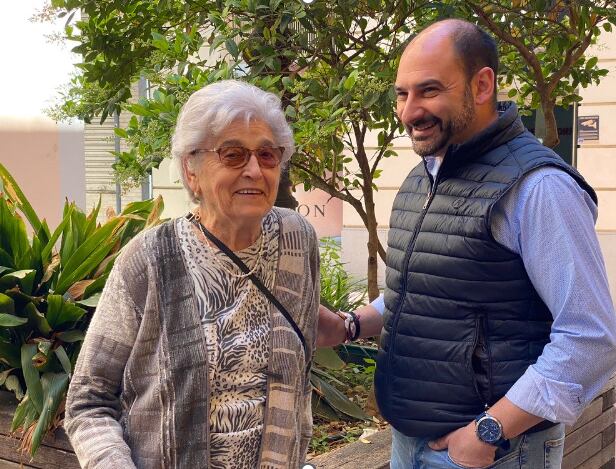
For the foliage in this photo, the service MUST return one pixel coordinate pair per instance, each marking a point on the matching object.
(354, 381)
(542, 47)
(332, 63)
(49, 285)
(339, 291)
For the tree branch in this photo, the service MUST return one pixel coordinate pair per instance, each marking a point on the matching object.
(528, 55)
(571, 58)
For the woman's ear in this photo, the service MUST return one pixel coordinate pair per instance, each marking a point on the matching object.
(484, 86)
(190, 176)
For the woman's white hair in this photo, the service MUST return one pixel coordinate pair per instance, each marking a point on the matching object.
(209, 110)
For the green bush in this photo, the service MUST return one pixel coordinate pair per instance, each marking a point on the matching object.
(49, 285)
(339, 291)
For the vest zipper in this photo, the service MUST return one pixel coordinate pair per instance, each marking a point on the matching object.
(481, 328)
(405, 267)
(484, 325)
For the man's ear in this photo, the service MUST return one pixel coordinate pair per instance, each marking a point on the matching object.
(484, 86)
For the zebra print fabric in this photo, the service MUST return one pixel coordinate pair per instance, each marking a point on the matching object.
(236, 320)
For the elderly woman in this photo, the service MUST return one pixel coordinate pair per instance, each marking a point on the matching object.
(198, 353)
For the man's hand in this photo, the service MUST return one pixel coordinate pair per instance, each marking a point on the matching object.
(465, 448)
(331, 330)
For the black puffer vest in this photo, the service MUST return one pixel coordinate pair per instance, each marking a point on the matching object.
(462, 320)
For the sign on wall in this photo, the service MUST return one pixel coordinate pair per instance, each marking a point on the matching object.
(588, 128)
(321, 210)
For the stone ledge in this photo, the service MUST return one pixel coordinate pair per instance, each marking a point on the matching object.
(373, 455)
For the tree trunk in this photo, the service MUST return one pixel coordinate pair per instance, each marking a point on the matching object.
(284, 197)
(551, 128)
(373, 248)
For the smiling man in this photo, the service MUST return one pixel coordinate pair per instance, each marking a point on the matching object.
(496, 292)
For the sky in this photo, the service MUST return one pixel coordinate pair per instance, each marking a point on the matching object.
(32, 67)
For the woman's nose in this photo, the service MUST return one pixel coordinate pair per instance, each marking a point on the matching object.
(252, 168)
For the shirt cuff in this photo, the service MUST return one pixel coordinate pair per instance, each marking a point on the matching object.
(552, 400)
(379, 305)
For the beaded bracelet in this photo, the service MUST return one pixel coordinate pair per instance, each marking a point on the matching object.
(351, 325)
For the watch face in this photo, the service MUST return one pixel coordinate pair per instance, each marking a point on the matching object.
(488, 430)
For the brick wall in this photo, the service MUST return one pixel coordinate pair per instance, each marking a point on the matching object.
(589, 444)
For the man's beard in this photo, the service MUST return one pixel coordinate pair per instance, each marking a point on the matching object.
(457, 124)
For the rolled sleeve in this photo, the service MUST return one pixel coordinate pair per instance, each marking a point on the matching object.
(547, 398)
(549, 221)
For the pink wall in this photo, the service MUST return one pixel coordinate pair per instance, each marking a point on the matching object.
(46, 160)
(322, 211)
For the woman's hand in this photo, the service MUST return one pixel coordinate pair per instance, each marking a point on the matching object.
(331, 330)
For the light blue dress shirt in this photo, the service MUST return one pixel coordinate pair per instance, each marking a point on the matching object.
(548, 219)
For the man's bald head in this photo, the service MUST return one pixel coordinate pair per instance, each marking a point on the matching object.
(472, 45)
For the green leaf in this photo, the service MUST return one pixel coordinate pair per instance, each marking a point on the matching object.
(328, 358)
(120, 132)
(7, 305)
(60, 312)
(11, 188)
(44, 346)
(63, 359)
(10, 355)
(322, 409)
(46, 254)
(32, 376)
(25, 412)
(95, 286)
(91, 301)
(3, 375)
(71, 336)
(54, 386)
(12, 384)
(349, 82)
(87, 256)
(336, 399)
(8, 320)
(23, 278)
(37, 319)
(91, 220)
(591, 62)
(232, 47)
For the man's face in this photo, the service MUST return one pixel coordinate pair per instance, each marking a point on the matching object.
(434, 97)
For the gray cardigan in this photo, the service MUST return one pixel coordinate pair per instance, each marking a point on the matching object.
(140, 393)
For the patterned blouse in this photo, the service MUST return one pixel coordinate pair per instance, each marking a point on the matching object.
(236, 320)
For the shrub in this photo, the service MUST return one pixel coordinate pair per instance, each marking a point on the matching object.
(49, 285)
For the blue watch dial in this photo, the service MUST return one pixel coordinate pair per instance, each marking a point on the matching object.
(489, 430)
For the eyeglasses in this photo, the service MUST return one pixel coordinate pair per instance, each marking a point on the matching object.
(238, 157)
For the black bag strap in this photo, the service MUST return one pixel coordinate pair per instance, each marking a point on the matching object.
(244, 268)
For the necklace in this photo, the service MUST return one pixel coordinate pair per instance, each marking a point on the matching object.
(212, 250)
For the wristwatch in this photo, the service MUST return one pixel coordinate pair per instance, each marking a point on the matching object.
(490, 431)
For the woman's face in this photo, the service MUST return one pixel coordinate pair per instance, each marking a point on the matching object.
(236, 195)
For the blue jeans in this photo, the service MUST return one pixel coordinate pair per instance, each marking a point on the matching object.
(538, 450)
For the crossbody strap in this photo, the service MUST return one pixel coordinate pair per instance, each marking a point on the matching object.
(268, 294)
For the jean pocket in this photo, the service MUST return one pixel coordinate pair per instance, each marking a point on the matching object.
(553, 453)
(509, 460)
(456, 465)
